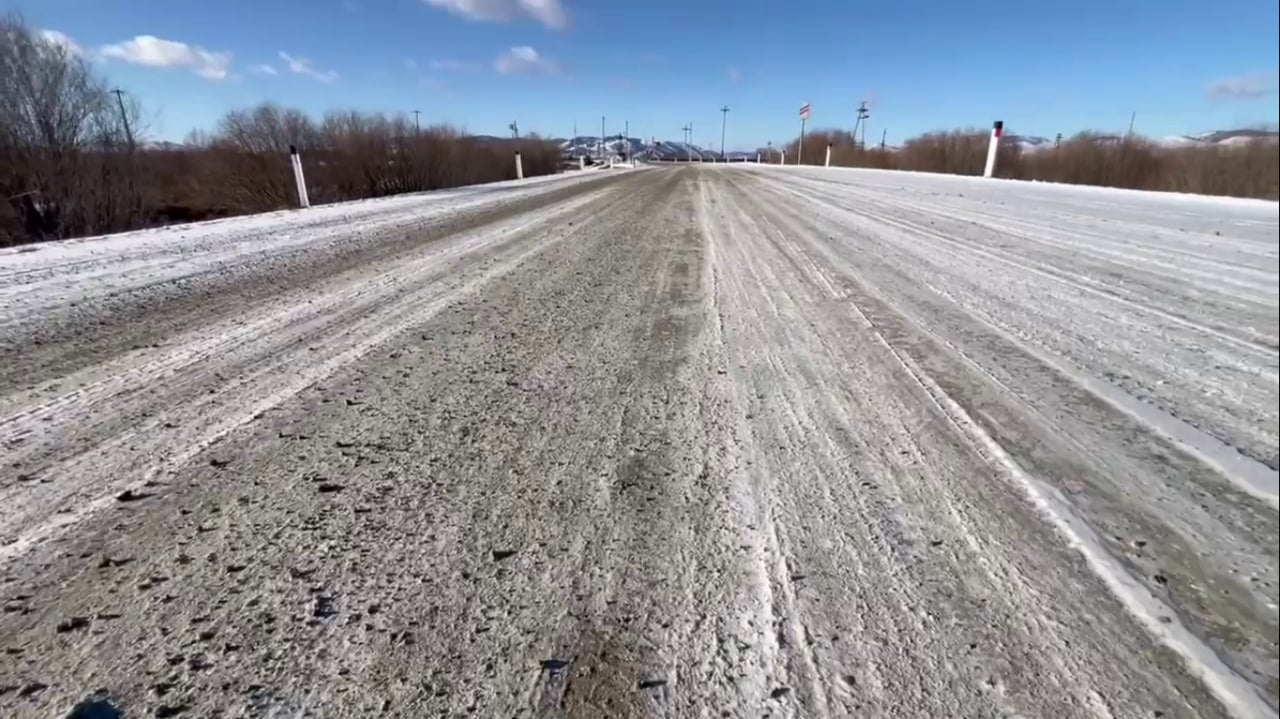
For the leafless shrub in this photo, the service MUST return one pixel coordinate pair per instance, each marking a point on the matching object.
(1251, 169)
(1247, 169)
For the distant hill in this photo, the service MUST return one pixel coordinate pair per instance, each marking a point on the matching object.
(1224, 137)
(1031, 143)
(617, 146)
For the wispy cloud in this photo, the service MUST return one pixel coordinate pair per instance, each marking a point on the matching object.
(524, 60)
(151, 51)
(452, 65)
(62, 40)
(734, 74)
(264, 69)
(1245, 87)
(548, 12)
(303, 66)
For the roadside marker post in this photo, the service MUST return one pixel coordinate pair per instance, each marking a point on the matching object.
(582, 162)
(757, 158)
(296, 161)
(997, 128)
(827, 162)
(519, 167)
(782, 160)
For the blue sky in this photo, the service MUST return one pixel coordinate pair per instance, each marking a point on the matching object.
(1042, 67)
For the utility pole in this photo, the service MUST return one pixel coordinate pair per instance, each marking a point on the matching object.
(132, 167)
(1124, 146)
(626, 132)
(602, 137)
(883, 135)
(124, 117)
(515, 130)
(800, 145)
(1057, 141)
(417, 128)
(688, 131)
(724, 117)
(863, 114)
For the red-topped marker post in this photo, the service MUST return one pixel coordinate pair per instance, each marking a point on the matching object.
(996, 129)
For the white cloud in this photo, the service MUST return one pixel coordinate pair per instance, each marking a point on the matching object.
(1245, 87)
(302, 66)
(734, 74)
(264, 69)
(524, 60)
(62, 40)
(151, 51)
(548, 12)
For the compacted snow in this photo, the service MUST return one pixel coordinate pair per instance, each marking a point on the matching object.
(689, 441)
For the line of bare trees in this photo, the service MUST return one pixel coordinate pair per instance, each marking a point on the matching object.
(1249, 169)
(346, 155)
(73, 161)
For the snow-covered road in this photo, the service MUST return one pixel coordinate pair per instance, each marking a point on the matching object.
(695, 441)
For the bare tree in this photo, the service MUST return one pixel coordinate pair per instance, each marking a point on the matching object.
(60, 139)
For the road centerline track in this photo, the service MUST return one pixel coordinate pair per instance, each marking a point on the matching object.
(672, 442)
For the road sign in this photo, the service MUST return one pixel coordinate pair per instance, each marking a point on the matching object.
(804, 111)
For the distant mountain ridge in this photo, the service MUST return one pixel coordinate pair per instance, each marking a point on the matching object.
(1032, 143)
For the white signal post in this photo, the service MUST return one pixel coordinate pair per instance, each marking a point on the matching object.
(519, 167)
(296, 161)
(827, 162)
(996, 129)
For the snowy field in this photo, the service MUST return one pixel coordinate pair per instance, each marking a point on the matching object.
(701, 440)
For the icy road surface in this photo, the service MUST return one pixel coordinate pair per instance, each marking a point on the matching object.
(697, 441)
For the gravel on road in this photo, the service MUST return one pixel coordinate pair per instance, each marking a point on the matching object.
(731, 441)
